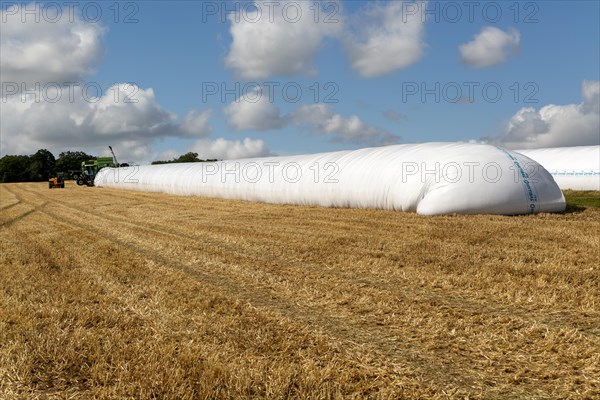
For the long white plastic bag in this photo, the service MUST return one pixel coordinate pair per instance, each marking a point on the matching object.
(429, 178)
(576, 167)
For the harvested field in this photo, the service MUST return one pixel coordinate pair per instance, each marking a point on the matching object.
(118, 294)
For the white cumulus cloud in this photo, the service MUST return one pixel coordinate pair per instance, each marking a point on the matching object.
(276, 38)
(271, 39)
(490, 47)
(196, 124)
(223, 149)
(46, 51)
(385, 39)
(556, 125)
(131, 120)
(59, 112)
(167, 155)
(137, 113)
(254, 111)
(321, 119)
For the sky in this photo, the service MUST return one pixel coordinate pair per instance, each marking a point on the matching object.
(236, 79)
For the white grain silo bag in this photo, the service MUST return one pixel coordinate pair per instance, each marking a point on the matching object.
(576, 168)
(429, 178)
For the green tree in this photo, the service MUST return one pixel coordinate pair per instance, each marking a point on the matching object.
(42, 165)
(14, 168)
(187, 157)
(71, 160)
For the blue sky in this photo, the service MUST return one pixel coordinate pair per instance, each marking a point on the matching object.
(536, 53)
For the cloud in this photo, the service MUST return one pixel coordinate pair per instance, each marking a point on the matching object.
(282, 42)
(59, 112)
(128, 151)
(167, 155)
(254, 111)
(321, 118)
(395, 116)
(126, 116)
(490, 47)
(196, 124)
(47, 52)
(386, 39)
(382, 40)
(223, 149)
(556, 125)
(138, 113)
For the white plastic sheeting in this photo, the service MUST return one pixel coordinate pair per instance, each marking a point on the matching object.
(430, 178)
(575, 168)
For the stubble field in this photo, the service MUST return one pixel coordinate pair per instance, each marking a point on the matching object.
(119, 294)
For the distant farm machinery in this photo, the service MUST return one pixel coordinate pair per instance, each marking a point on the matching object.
(90, 168)
(56, 182)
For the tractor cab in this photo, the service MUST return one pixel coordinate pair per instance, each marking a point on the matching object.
(89, 168)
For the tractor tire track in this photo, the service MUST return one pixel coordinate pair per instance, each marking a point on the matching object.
(385, 348)
(270, 265)
(23, 215)
(359, 336)
(260, 292)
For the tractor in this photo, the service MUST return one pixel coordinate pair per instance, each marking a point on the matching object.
(90, 168)
(56, 182)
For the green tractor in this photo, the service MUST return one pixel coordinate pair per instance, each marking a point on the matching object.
(90, 168)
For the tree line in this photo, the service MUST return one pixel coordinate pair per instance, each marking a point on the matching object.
(40, 166)
(187, 157)
(43, 165)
